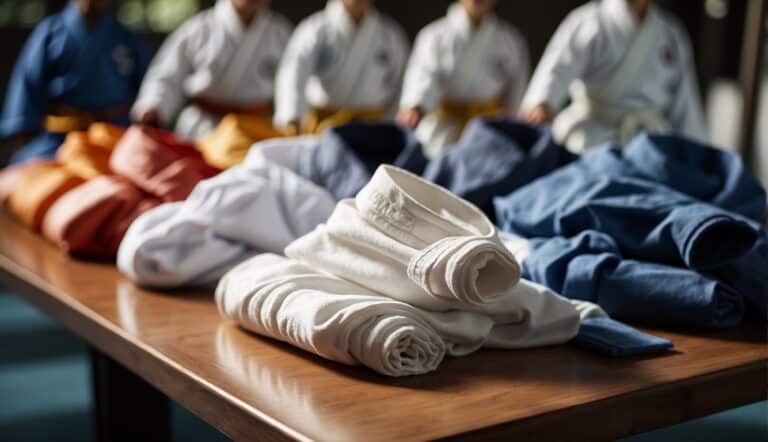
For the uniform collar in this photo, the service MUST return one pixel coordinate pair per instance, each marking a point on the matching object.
(74, 21)
(459, 19)
(337, 15)
(227, 14)
(621, 15)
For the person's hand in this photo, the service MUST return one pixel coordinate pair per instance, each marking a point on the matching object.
(410, 117)
(292, 128)
(149, 117)
(539, 114)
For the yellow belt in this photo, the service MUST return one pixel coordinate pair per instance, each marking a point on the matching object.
(63, 118)
(463, 112)
(320, 119)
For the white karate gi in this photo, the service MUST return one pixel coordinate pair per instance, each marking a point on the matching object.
(624, 76)
(452, 62)
(247, 209)
(213, 56)
(399, 277)
(332, 63)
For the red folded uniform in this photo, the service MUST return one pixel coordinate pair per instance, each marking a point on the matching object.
(159, 163)
(91, 219)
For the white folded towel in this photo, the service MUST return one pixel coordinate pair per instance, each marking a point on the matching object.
(413, 241)
(245, 210)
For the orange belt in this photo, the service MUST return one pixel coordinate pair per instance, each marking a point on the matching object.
(463, 112)
(220, 109)
(64, 118)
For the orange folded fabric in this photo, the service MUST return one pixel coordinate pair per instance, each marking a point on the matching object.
(159, 163)
(10, 176)
(86, 154)
(228, 143)
(91, 219)
(37, 187)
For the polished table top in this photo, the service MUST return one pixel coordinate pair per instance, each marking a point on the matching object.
(250, 387)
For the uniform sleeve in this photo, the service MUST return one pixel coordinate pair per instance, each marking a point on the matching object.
(421, 84)
(686, 114)
(521, 71)
(293, 74)
(565, 60)
(27, 90)
(162, 88)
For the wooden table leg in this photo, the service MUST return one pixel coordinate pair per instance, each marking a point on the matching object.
(125, 407)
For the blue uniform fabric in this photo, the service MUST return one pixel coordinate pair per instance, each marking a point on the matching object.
(590, 267)
(66, 62)
(496, 157)
(348, 155)
(684, 221)
(612, 338)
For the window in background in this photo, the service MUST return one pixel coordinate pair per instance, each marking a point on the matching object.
(21, 13)
(159, 16)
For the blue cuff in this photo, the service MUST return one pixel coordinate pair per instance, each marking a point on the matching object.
(612, 338)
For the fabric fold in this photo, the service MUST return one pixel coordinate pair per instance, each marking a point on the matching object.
(159, 163)
(281, 299)
(245, 210)
(36, 188)
(373, 239)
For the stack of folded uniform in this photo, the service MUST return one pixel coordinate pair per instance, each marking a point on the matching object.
(31, 189)
(398, 277)
(101, 181)
(668, 232)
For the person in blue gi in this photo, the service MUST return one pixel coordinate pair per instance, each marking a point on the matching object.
(78, 66)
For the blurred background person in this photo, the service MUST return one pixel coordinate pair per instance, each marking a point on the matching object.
(467, 64)
(77, 67)
(627, 65)
(222, 60)
(343, 63)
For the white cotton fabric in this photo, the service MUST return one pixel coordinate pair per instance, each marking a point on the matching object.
(248, 209)
(623, 75)
(413, 241)
(453, 61)
(331, 62)
(214, 56)
(286, 152)
(406, 266)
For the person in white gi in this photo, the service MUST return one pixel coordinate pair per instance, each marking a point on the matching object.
(222, 60)
(343, 63)
(628, 67)
(467, 64)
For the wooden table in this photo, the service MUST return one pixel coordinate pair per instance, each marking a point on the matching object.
(255, 388)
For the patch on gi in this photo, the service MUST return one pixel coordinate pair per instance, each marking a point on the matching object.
(324, 59)
(669, 54)
(499, 68)
(268, 67)
(382, 57)
(123, 59)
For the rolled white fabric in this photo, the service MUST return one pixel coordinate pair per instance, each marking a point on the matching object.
(245, 210)
(282, 299)
(412, 241)
(342, 321)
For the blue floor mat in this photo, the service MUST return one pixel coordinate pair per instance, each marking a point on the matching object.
(45, 391)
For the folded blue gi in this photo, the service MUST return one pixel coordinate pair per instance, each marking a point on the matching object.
(677, 204)
(496, 157)
(347, 156)
(589, 267)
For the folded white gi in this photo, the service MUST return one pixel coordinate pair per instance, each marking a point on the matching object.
(403, 249)
(252, 208)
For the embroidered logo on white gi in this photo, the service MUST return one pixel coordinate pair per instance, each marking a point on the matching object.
(669, 55)
(125, 63)
(268, 67)
(392, 211)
